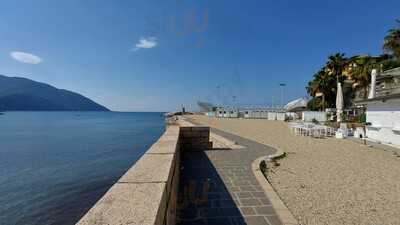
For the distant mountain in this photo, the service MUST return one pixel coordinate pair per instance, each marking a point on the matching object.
(22, 94)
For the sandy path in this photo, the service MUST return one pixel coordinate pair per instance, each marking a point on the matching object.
(326, 181)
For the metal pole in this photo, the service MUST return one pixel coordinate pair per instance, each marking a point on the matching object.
(219, 94)
(272, 106)
(282, 85)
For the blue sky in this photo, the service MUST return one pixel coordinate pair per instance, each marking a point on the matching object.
(157, 55)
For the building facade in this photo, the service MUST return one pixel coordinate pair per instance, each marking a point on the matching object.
(383, 110)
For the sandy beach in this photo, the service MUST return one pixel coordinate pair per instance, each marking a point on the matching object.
(326, 181)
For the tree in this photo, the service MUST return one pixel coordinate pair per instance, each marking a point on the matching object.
(391, 43)
(336, 65)
(323, 84)
(388, 64)
(361, 71)
(314, 104)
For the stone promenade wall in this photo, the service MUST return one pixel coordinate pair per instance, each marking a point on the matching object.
(195, 138)
(147, 193)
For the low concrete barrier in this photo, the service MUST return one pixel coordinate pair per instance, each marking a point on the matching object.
(147, 193)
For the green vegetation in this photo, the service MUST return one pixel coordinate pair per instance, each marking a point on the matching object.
(314, 121)
(336, 65)
(354, 72)
(391, 43)
(323, 85)
(344, 117)
(264, 168)
(362, 118)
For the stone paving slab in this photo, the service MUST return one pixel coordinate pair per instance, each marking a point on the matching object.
(219, 187)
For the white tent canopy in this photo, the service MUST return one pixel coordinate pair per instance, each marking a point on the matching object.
(296, 105)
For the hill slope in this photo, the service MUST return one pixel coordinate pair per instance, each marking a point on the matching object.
(21, 94)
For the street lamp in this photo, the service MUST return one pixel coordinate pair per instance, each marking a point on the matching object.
(282, 85)
(219, 94)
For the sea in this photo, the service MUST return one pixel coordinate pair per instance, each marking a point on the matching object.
(54, 166)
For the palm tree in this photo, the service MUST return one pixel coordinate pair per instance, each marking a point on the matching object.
(323, 85)
(390, 63)
(336, 65)
(361, 71)
(391, 42)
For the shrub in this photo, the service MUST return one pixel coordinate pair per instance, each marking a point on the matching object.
(361, 118)
(344, 117)
(263, 167)
(314, 104)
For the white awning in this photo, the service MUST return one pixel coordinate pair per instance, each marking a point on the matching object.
(296, 105)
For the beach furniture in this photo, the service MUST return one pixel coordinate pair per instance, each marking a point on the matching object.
(297, 129)
(310, 129)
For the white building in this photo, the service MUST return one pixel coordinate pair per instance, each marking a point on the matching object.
(383, 108)
(271, 115)
(219, 113)
(383, 119)
(255, 114)
(223, 112)
(281, 116)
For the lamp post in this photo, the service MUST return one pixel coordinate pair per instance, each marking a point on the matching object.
(272, 102)
(219, 94)
(282, 85)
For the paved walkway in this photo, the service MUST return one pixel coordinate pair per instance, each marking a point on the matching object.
(218, 186)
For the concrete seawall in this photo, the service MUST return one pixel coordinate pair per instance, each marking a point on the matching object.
(147, 193)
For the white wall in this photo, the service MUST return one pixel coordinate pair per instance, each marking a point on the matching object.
(383, 116)
(308, 116)
(271, 115)
(281, 116)
(383, 120)
(384, 135)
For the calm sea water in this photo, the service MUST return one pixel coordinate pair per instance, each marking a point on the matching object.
(55, 165)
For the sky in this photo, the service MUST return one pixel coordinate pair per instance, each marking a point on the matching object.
(149, 55)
